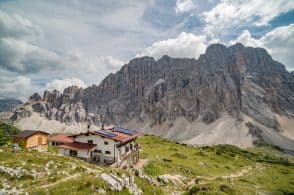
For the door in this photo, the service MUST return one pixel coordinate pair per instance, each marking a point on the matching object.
(39, 141)
(73, 153)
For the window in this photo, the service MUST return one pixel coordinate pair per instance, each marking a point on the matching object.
(131, 146)
(40, 140)
(53, 144)
(73, 153)
(127, 148)
(90, 141)
(107, 152)
(97, 151)
(97, 159)
(105, 143)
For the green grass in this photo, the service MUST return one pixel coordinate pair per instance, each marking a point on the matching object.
(147, 188)
(40, 164)
(86, 184)
(271, 170)
(276, 174)
(187, 160)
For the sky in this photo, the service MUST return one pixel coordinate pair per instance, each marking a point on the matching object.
(52, 44)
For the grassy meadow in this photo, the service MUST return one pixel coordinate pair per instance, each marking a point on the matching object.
(206, 170)
(221, 168)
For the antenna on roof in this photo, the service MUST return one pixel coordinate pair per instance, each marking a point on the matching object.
(102, 121)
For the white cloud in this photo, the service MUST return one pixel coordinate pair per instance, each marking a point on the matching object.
(23, 53)
(19, 87)
(16, 26)
(246, 39)
(185, 45)
(61, 84)
(111, 62)
(19, 51)
(228, 15)
(279, 42)
(36, 44)
(183, 6)
(20, 56)
(89, 68)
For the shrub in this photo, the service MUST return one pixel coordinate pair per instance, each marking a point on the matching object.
(3, 138)
(218, 153)
(152, 169)
(225, 188)
(7, 132)
(167, 160)
(232, 154)
(194, 190)
(200, 153)
(179, 155)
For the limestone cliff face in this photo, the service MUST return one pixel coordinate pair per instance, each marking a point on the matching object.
(234, 80)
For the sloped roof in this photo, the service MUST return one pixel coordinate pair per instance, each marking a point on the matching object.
(77, 146)
(28, 133)
(64, 138)
(117, 136)
(121, 137)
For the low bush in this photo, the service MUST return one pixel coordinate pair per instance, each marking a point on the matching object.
(152, 169)
(7, 132)
(179, 155)
(167, 160)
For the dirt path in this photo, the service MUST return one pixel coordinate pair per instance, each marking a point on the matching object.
(60, 181)
(141, 163)
(76, 175)
(245, 171)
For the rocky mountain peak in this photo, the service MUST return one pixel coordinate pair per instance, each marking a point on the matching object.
(71, 90)
(215, 48)
(35, 97)
(243, 83)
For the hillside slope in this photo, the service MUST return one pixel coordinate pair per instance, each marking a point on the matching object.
(230, 95)
(169, 168)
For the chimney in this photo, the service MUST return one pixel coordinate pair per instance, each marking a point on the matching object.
(88, 128)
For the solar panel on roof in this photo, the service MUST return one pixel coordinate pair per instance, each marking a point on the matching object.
(109, 134)
(125, 131)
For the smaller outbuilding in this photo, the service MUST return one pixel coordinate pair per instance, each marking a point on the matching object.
(59, 139)
(32, 139)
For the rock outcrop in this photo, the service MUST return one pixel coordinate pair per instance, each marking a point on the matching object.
(244, 83)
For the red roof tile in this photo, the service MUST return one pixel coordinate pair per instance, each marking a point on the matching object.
(77, 146)
(64, 138)
(120, 137)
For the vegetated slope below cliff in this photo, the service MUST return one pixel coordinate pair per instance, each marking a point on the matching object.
(170, 168)
(230, 95)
